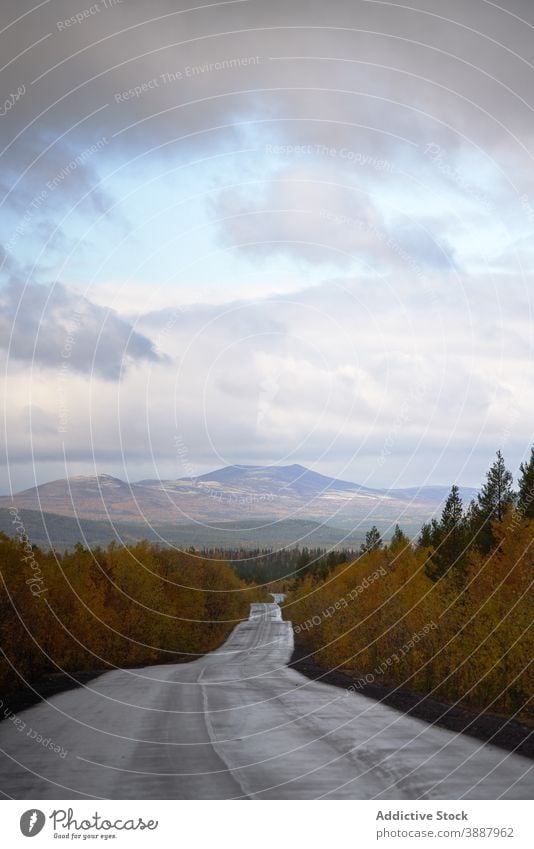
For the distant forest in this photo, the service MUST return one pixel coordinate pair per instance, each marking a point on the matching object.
(265, 565)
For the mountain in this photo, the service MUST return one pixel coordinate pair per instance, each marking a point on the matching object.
(235, 493)
(296, 479)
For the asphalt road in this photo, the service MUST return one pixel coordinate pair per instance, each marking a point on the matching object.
(239, 724)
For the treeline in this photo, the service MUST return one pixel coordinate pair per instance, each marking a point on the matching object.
(450, 614)
(264, 565)
(83, 610)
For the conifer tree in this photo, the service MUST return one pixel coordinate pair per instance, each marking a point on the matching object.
(425, 537)
(449, 538)
(373, 540)
(399, 538)
(526, 487)
(491, 503)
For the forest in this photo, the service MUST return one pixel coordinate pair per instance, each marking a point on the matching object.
(264, 565)
(449, 614)
(119, 606)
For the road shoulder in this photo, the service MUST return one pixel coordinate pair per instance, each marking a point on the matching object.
(499, 731)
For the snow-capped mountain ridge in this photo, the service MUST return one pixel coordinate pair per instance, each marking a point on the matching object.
(233, 492)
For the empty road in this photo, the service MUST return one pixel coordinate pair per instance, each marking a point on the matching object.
(239, 724)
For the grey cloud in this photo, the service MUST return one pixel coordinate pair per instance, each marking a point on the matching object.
(377, 79)
(404, 67)
(54, 327)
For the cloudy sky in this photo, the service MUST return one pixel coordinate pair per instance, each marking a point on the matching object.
(266, 232)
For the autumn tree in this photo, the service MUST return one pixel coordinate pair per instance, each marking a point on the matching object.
(120, 606)
(459, 630)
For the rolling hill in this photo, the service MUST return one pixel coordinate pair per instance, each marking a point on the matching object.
(251, 497)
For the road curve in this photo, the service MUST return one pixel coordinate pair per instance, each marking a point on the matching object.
(239, 724)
